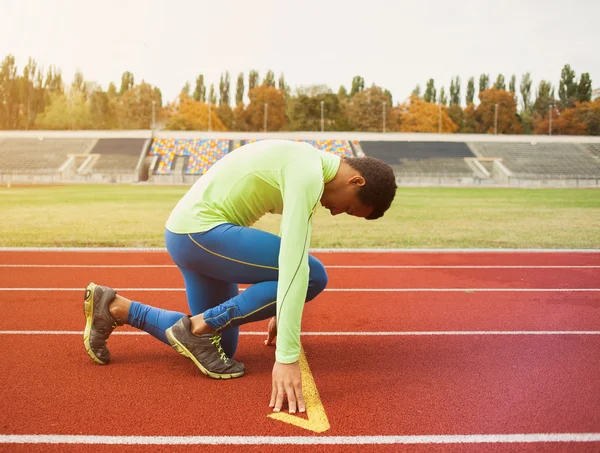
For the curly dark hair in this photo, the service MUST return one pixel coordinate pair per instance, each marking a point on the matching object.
(380, 184)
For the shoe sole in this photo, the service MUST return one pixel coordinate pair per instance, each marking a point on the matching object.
(88, 311)
(181, 349)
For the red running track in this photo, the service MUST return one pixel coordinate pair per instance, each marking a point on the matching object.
(370, 385)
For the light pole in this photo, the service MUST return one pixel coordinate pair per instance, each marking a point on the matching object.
(550, 122)
(266, 117)
(153, 116)
(322, 116)
(383, 104)
(495, 119)
(209, 117)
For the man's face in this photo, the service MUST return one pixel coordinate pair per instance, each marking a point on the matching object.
(345, 200)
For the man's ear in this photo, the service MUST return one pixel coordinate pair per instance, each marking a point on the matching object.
(357, 180)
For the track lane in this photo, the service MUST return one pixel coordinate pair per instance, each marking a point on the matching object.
(338, 278)
(371, 386)
(348, 312)
(133, 256)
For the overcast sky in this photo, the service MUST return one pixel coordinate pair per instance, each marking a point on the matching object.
(395, 44)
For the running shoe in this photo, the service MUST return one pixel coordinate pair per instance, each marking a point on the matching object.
(204, 350)
(99, 323)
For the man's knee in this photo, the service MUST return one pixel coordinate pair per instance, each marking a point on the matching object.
(318, 278)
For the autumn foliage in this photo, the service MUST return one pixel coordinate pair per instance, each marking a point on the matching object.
(420, 116)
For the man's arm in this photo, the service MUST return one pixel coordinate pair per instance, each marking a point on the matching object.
(302, 186)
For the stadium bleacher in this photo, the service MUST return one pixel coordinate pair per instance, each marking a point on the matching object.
(43, 156)
(201, 154)
(341, 148)
(422, 158)
(117, 155)
(542, 159)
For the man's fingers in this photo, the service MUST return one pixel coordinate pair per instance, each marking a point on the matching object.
(273, 395)
(269, 339)
(300, 398)
(291, 399)
(279, 398)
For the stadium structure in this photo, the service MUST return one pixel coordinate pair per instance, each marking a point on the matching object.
(418, 159)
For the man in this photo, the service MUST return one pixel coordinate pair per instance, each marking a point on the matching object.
(209, 238)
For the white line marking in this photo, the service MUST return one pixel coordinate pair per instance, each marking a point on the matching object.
(317, 250)
(358, 334)
(162, 266)
(368, 290)
(298, 440)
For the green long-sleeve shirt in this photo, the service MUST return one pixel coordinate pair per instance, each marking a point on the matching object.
(270, 176)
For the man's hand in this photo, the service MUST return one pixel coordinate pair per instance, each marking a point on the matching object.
(287, 381)
(272, 331)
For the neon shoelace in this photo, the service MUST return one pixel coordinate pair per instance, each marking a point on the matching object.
(216, 340)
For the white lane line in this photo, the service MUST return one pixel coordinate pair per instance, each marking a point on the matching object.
(298, 440)
(367, 290)
(358, 334)
(311, 250)
(335, 266)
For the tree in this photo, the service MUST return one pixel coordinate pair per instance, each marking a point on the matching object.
(283, 87)
(134, 108)
(9, 94)
(500, 84)
(78, 82)
(127, 82)
(508, 122)
(342, 93)
(484, 82)
(588, 113)
(185, 91)
(567, 89)
(193, 115)
(304, 109)
(544, 98)
(469, 124)
(239, 90)
(112, 90)
(512, 86)
(564, 122)
(255, 112)
(455, 91)
(417, 91)
(525, 89)
(365, 110)
(101, 112)
(239, 118)
(443, 99)
(269, 79)
(31, 94)
(224, 85)
(456, 114)
(200, 90)
(470, 90)
(212, 98)
(252, 80)
(358, 84)
(430, 93)
(417, 115)
(225, 114)
(54, 83)
(66, 112)
(584, 90)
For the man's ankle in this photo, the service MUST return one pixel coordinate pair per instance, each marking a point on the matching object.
(119, 309)
(199, 327)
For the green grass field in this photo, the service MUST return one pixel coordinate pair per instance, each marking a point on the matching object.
(134, 216)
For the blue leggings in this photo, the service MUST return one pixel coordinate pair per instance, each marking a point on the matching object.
(213, 264)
